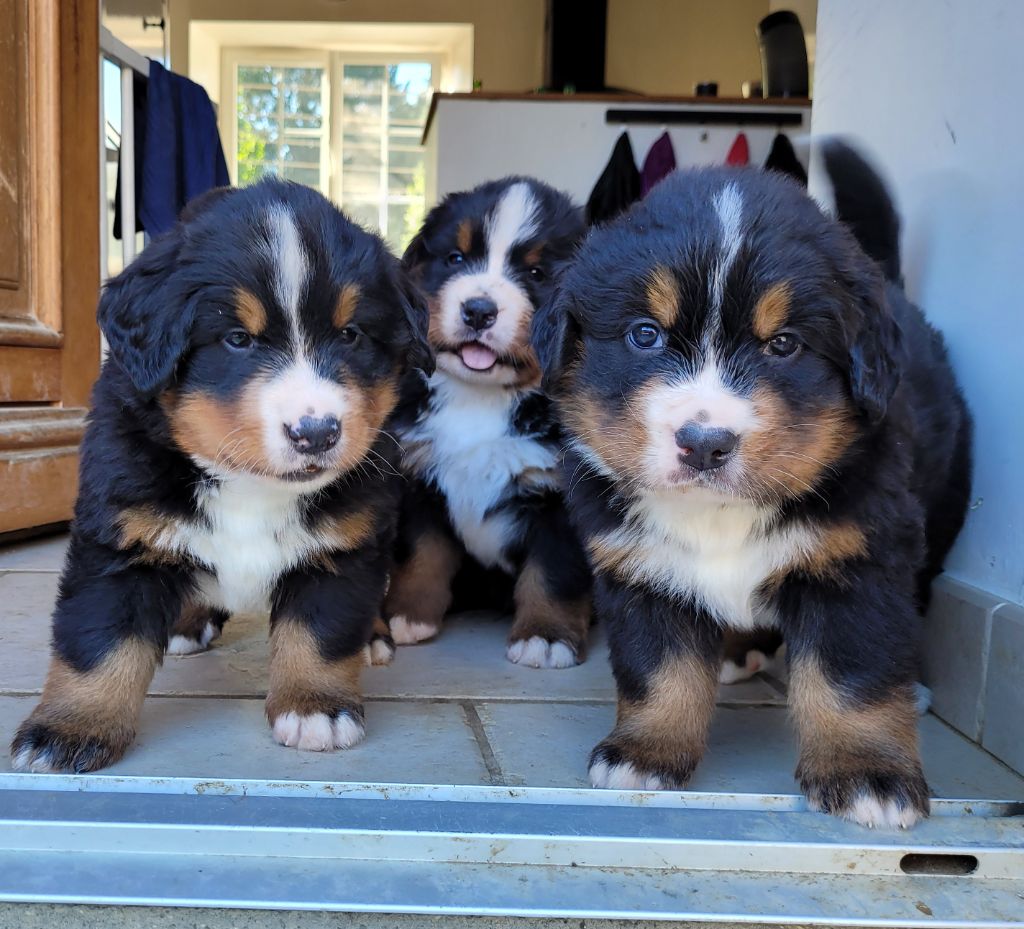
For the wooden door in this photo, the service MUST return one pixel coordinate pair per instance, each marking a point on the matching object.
(49, 251)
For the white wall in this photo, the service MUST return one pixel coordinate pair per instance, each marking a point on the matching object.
(566, 143)
(934, 91)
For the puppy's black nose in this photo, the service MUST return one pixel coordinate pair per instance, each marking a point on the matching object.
(479, 313)
(705, 449)
(311, 435)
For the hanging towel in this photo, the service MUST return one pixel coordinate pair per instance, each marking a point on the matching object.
(739, 154)
(660, 161)
(184, 157)
(617, 187)
(782, 158)
(180, 156)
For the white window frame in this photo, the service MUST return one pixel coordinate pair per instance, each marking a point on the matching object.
(333, 63)
(254, 57)
(338, 62)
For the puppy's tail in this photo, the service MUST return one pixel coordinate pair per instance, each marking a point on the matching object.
(864, 204)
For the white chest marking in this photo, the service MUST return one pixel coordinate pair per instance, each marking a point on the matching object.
(255, 535)
(464, 447)
(708, 549)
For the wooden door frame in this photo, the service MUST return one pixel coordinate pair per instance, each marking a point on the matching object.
(80, 196)
(39, 439)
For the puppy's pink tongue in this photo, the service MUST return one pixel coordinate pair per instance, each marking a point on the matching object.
(477, 356)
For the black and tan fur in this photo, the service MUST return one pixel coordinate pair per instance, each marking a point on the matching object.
(764, 434)
(237, 459)
(481, 443)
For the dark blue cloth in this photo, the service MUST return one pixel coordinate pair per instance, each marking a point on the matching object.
(183, 154)
(178, 154)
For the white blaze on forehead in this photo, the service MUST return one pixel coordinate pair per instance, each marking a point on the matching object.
(514, 220)
(289, 262)
(729, 208)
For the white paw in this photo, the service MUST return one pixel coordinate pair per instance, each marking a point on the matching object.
(34, 760)
(754, 661)
(317, 732)
(186, 645)
(622, 776)
(870, 811)
(922, 699)
(409, 633)
(378, 652)
(537, 652)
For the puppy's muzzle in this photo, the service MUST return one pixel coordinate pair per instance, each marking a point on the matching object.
(314, 435)
(705, 449)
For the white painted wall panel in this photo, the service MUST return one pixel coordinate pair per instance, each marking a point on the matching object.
(935, 91)
(565, 144)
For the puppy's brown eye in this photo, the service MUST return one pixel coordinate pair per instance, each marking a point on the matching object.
(348, 335)
(454, 259)
(645, 336)
(238, 340)
(537, 273)
(783, 345)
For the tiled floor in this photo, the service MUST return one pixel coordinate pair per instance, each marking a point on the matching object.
(451, 712)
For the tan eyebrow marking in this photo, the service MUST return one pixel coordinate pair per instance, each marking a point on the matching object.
(772, 310)
(663, 296)
(345, 308)
(464, 236)
(250, 312)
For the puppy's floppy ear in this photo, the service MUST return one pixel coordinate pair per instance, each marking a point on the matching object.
(416, 253)
(417, 319)
(555, 334)
(146, 318)
(875, 347)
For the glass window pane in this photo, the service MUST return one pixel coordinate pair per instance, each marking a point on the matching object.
(366, 213)
(361, 184)
(275, 103)
(308, 176)
(383, 108)
(306, 152)
(404, 219)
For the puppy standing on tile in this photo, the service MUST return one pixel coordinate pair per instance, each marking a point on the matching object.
(763, 433)
(237, 459)
(481, 444)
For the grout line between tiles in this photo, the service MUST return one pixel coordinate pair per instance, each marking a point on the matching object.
(17, 570)
(494, 773)
(411, 698)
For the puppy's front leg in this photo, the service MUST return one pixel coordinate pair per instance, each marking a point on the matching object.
(854, 706)
(109, 634)
(665, 659)
(320, 623)
(427, 557)
(552, 595)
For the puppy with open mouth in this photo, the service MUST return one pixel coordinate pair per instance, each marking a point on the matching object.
(481, 444)
(237, 459)
(763, 434)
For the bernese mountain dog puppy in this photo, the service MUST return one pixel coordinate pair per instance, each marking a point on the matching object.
(237, 459)
(763, 432)
(481, 443)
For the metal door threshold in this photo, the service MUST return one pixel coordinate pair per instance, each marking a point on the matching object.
(529, 852)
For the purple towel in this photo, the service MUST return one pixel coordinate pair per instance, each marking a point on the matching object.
(660, 160)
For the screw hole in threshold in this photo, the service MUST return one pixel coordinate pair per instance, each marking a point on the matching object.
(950, 865)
